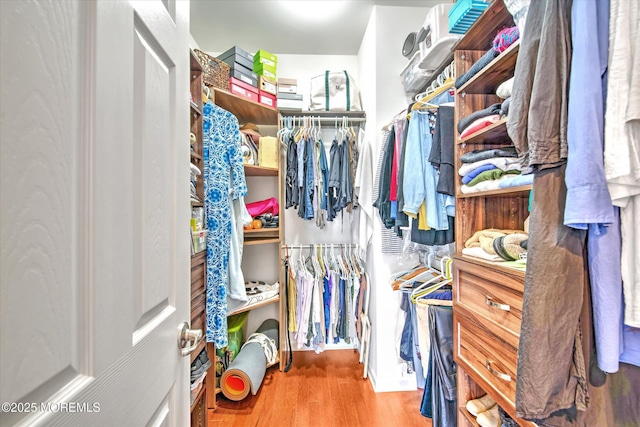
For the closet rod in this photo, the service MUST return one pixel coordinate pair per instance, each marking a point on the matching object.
(330, 119)
(312, 245)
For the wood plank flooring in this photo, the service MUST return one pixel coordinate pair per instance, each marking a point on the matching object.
(324, 389)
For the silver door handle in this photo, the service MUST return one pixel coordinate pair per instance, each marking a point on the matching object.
(497, 373)
(187, 336)
(497, 305)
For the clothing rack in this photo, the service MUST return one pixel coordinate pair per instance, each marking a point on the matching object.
(315, 245)
(332, 119)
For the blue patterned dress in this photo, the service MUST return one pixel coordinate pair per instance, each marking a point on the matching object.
(224, 180)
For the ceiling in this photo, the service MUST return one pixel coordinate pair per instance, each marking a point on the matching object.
(217, 25)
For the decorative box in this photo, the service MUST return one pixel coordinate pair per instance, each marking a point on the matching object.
(287, 85)
(236, 54)
(265, 70)
(268, 85)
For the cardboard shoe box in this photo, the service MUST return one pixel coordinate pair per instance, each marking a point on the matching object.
(264, 57)
(267, 99)
(236, 54)
(287, 85)
(293, 96)
(244, 74)
(268, 85)
(290, 104)
(240, 88)
(265, 70)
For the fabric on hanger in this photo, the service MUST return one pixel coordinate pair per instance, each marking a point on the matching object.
(222, 159)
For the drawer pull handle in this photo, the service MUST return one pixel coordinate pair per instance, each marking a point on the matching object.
(497, 305)
(498, 374)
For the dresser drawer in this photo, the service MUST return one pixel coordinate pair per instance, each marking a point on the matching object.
(491, 294)
(490, 356)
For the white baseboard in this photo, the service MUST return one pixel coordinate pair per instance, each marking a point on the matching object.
(407, 383)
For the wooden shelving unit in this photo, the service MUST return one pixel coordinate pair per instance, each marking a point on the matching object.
(247, 111)
(244, 109)
(521, 191)
(251, 170)
(496, 133)
(257, 305)
(498, 70)
(487, 296)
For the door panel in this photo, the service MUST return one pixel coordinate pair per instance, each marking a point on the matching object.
(95, 208)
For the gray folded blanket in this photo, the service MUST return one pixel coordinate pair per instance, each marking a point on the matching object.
(465, 122)
(490, 153)
(504, 109)
(475, 68)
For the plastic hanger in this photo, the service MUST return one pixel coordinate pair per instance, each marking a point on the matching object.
(427, 288)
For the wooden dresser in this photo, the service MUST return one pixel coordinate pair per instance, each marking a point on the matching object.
(487, 296)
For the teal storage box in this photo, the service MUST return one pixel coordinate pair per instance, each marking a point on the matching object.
(464, 13)
(265, 70)
(264, 57)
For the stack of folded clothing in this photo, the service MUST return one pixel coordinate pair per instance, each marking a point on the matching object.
(480, 119)
(491, 169)
(501, 42)
(497, 245)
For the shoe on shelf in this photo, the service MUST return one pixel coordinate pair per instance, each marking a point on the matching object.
(490, 418)
(480, 404)
(204, 359)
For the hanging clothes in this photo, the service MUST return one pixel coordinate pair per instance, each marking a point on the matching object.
(223, 165)
(327, 301)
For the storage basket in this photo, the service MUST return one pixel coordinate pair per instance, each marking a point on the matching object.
(215, 72)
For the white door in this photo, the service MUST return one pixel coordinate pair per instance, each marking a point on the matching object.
(94, 212)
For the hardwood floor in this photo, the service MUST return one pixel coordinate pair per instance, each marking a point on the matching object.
(324, 389)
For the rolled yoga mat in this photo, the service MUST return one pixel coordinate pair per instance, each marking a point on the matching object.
(247, 370)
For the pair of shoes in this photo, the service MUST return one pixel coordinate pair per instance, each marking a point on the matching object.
(485, 410)
(200, 365)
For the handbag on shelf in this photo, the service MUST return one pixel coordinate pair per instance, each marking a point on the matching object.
(334, 91)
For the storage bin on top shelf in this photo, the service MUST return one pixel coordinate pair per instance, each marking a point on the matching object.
(464, 13)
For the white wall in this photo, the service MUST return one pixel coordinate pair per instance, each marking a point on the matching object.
(388, 27)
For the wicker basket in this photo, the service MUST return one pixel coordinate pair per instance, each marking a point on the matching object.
(215, 72)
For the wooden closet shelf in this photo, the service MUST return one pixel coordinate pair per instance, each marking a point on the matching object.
(195, 108)
(522, 191)
(470, 418)
(245, 110)
(262, 231)
(198, 397)
(261, 241)
(251, 170)
(194, 62)
(256, 305)
(497, 71)
(495, 266)
(495, 133)
(480, 35)
(195, 155)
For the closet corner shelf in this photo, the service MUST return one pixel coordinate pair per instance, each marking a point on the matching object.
(194, 62)
(480, 35)
(495, 133)
(195, 155)
(256, 305)
(195, 108)
(244, 109)
(494, 266)
(196, 204)
(197, 399)
(496, 72)
(522, 190)
(251, 170)
(470, 418)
